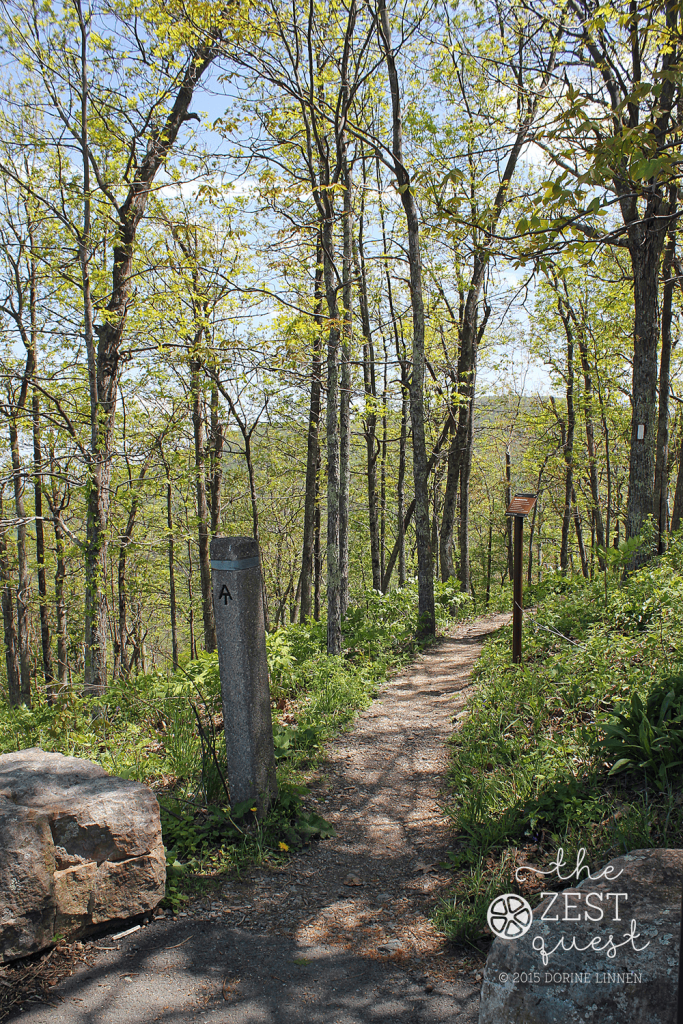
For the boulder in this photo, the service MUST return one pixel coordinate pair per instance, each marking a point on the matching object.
(78, 848)
(603, 950)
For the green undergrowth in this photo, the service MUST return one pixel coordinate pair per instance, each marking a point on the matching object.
(579, 746)
(166, 730)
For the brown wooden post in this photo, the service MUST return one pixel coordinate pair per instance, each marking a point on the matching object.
(517, 596)
(519, 508)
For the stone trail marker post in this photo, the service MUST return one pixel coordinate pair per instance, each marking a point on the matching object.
(241, 638)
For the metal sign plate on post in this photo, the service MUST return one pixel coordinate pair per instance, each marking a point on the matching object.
(241, 638)
(520, 507)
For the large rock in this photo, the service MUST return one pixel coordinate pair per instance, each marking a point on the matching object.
(580, 981)
(78, 848)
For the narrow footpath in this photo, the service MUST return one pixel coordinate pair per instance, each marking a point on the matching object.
(341, 935)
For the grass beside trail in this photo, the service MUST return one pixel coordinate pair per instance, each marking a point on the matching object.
(167, 731)
(579, 746)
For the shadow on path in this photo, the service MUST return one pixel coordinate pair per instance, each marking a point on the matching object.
(342, 934)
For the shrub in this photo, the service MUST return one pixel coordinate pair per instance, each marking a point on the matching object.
(649, 736)
(553, 752)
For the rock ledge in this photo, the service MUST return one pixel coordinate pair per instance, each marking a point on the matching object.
(78, 848)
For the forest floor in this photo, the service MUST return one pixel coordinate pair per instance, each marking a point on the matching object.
(339, 934)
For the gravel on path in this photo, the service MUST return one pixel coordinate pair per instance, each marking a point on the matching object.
(341, 934)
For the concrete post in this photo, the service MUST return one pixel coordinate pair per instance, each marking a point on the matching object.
(241, 638)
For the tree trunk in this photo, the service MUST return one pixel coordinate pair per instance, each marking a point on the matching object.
(469, 334)
(100, 379)
(401, 486)
(10, 632)
(460, 450)
(677, 513)
(139, 658)
(661, 492)
(190, 595)
(15, 408)
(383, 465)
(567, 434)
(567, 513)
(386, 578)
(608, 461)
(95, 668)
(465, 472)
(22, 559)
(370, 417)
(317, 546)
(488, 566)
(103, 359)
(334, 637)
(171, 570)
(435, 522)
(247, 434)
(121, 666)
(590, 445)
(450, 499)
(48, 671)
(402, 359)
(645, 246)
(508, 499)
(312, 452)
(57, 504)
(202, 505)
(425, 574)
(294, 605)
(345, 395)
(532, 528)
(215, 461)
(579, 536)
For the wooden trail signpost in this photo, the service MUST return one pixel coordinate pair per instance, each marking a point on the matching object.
(519, 508)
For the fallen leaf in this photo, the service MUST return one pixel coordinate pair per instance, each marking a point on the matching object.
(422, 867)
(352, 879)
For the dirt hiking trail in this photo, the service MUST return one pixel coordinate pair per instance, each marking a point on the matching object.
(341, 935)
